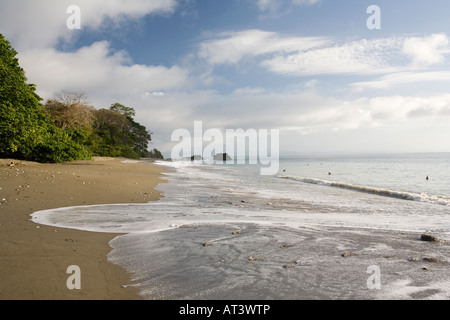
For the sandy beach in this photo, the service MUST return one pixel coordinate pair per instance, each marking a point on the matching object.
(243, 258)
(35, 258)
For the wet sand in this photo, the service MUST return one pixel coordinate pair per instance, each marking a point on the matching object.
(35, 258)
(238, 261)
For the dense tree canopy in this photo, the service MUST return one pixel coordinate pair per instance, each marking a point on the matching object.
(26, 132)
(65, 127)
(105, 132)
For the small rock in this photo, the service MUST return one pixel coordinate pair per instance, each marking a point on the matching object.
(207, 244)
(289, 265)
(432, 260)
(348, 254)
(415, 259)
(427, 259)
(427, 237)
(236, 232)
(425, 268)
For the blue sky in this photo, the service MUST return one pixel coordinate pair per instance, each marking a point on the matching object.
(310, 68)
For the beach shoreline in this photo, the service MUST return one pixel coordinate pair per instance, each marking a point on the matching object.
(35, 258)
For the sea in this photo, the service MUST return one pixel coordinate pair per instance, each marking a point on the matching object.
(224, 231)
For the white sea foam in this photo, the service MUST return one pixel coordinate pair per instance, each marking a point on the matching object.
(405, 195)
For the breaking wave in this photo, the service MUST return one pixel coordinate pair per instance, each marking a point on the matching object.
(405, 195)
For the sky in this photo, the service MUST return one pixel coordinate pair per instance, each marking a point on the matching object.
(316, 70)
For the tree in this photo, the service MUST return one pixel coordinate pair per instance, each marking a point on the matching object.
(141, 138)
(105, 117)
(126, 111)
(66, 127)
(156, 154)
(115, 133)
(26, 132)
(70, 110)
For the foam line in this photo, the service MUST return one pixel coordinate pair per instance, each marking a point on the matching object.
(378, 191)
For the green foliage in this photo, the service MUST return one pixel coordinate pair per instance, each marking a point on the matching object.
(156, 154)
(65, 128)
(126, 111)
(26, 132)
(115, 134)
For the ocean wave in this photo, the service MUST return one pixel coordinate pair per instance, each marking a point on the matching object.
(405, 195)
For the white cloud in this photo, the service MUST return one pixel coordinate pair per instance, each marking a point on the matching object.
(231, 47)
(163, 103)
(305, 2)
(303, 117)
(402, 78)
(426, 51)
(363, 56)
(41, 24)
(301, 55)
(410, 111)
(248, 91)
(272, 5)
(97, 70)
(306, 56)
(268, 4)
(155, 94)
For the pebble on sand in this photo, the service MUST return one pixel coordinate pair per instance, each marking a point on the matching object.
(348, 254)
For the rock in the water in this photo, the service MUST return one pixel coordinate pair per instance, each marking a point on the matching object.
(427, 237)
(222, 157)
(196, 157)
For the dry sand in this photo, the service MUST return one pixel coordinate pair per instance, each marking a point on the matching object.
(35, 258)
